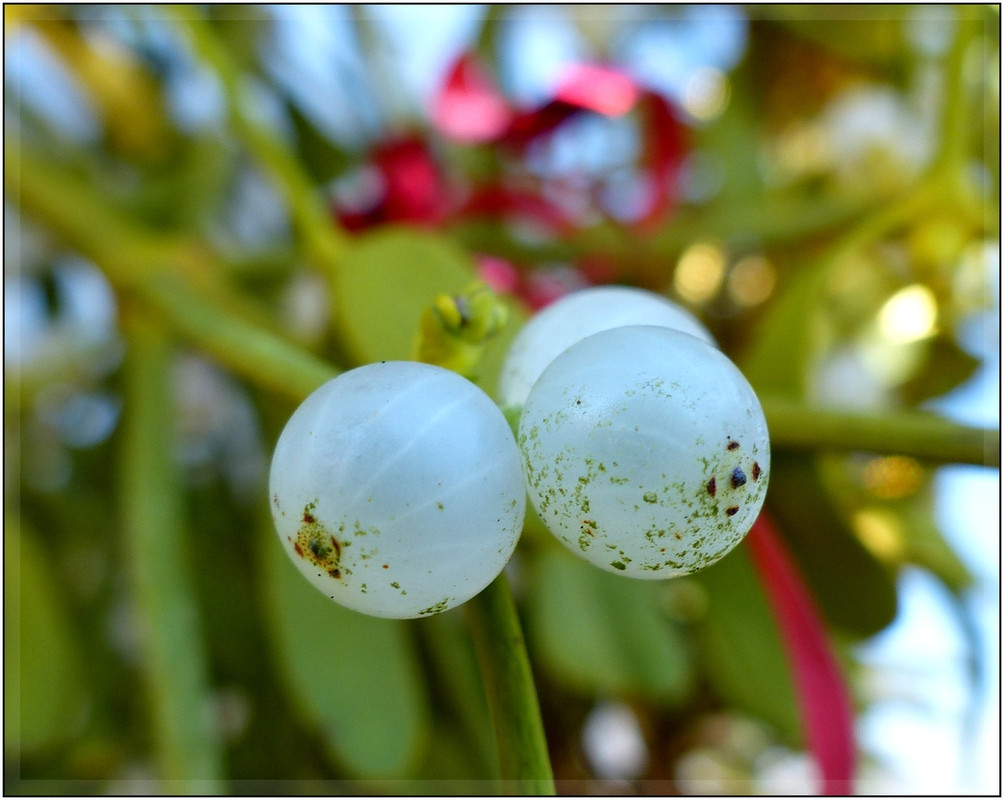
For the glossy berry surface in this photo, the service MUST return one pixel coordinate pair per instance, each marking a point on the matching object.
(396, 489)
(646, 451)
(563, 323)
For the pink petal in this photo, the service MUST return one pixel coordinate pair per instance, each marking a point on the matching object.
(825, 706)
(596, 88)
(468, 107)
(501, 275)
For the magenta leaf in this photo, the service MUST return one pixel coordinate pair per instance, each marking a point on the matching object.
(665, 148)
(823, 699)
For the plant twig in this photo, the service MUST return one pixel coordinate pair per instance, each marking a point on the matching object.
(187, 745)
(794, 425)
(324, 240)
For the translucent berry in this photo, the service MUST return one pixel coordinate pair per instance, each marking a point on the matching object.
(575, 316)
(397, 490)
(646, 451)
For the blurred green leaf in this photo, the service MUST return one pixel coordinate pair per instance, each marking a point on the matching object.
(385, 282)
(458, 691)
(44, 691)
(321, 158)
(946, 366)
(744, 657)
(926, 545)
(869, 34)
(778, 359)
(854, 591)
(356, 677)
(603, 633)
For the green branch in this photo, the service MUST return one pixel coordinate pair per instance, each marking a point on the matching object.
(250, 350)
(796, 426)
(171, 275)
(187, 744)
(324, 240)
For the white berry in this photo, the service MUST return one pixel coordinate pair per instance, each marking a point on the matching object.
(646, 451)
(397, 489)
(575, 316)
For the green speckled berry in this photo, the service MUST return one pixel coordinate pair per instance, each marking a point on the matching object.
(397, 490)
(554, 329)
(645, 451)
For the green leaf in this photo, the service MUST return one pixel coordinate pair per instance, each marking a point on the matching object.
(44, 691)
(455, 681)
(926, 545)
(604, 634)
(855, 592)
(322, 159)
(744, 657)
(356, 677)
(778, 360)
(945, 366)
(385, 282)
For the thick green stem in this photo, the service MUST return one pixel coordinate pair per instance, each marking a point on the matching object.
(324, 240)
(250, 350)
(170, 275)
(187, 744)
(512, 695)
(796, 426)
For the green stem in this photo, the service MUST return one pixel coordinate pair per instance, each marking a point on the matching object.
(187, 744)
(248, 349)
(171, 275)
(512, 696)
(325, 242)
(955, 110)
(795, 426)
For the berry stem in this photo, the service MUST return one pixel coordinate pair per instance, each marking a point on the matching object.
(512, 695)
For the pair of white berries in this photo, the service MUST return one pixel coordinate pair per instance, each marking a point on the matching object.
(399, 490)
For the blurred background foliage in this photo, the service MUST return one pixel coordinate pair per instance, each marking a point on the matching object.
(820, 184)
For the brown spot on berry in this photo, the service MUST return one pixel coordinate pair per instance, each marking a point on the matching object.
(298, 549)
(386, 566)
(334, 573)
(677, 536)
(732, 510)
(310, 519)
(338, 547)
(732, 445)
(712, 486)
(756, 471)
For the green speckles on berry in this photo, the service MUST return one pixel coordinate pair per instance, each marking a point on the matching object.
(439, 607)
(620, 565)
(650, 497)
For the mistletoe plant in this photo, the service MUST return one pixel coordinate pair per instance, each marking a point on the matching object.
(502, 489)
